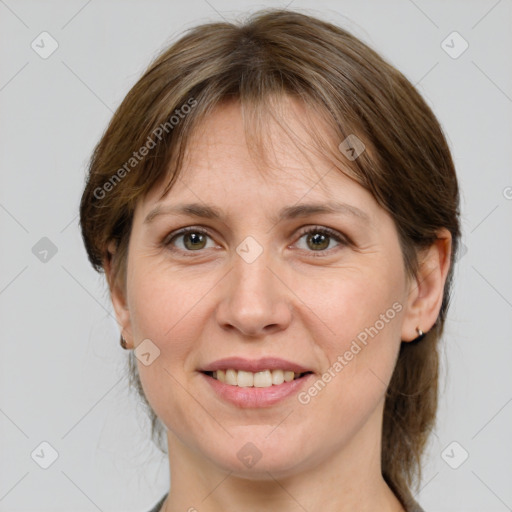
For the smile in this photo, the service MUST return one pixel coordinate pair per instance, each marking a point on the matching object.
(261, 379)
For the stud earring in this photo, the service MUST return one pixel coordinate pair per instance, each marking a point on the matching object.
(421, 334)
(123, 343)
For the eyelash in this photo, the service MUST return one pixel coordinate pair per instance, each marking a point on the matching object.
(342, 240)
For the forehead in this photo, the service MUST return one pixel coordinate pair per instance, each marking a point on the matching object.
(274, 141)
(222, 166)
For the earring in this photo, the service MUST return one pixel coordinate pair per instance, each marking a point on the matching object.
(421, 334)
(123, 343)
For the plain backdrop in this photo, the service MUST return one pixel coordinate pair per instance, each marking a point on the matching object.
(63, 378)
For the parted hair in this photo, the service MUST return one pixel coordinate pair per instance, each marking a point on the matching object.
(406, 165)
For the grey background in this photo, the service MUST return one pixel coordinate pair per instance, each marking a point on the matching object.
(63, 376)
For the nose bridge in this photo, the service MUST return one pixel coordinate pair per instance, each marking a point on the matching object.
(251, 272)
(255, 301)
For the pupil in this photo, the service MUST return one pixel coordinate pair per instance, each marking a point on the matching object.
(195, 238)
(319, 238)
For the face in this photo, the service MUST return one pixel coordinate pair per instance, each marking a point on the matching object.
(276, 287)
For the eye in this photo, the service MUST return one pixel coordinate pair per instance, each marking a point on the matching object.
(193, 239)
(318, 239)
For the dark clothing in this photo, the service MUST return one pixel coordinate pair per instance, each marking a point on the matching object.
(156, 508)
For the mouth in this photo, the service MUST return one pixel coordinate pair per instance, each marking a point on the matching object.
(255, 390)
(255, 383)
(261, 379)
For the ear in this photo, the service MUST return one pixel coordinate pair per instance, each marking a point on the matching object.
(118, 296)
(425, 293)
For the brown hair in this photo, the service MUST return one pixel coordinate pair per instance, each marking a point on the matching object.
(407, 166)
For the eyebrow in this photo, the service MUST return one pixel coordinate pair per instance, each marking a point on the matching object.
(205, 211)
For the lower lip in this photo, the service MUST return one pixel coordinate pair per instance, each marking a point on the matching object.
(252, 397)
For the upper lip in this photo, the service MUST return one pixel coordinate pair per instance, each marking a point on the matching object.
(254, 365)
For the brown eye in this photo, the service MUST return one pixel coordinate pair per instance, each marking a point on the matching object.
(192, 239)
(318, 239)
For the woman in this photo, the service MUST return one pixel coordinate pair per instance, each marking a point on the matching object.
(276, 212)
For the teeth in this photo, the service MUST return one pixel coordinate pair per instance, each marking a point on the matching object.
(231, 378)
(263, 379)
(245, 379)
(288, 376)
(277, 377)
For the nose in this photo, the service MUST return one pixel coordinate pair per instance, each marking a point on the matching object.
(254, 301)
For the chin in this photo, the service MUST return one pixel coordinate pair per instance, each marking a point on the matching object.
(254, 457)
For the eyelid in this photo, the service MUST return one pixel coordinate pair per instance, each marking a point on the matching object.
(340, 237)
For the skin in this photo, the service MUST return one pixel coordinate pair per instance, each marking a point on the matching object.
(201, 304)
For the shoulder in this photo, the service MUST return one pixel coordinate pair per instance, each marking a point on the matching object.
(157, 507)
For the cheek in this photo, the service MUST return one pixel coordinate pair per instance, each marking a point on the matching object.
(164, 303)
(164, 308)
(358, 316)
(356, 303)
